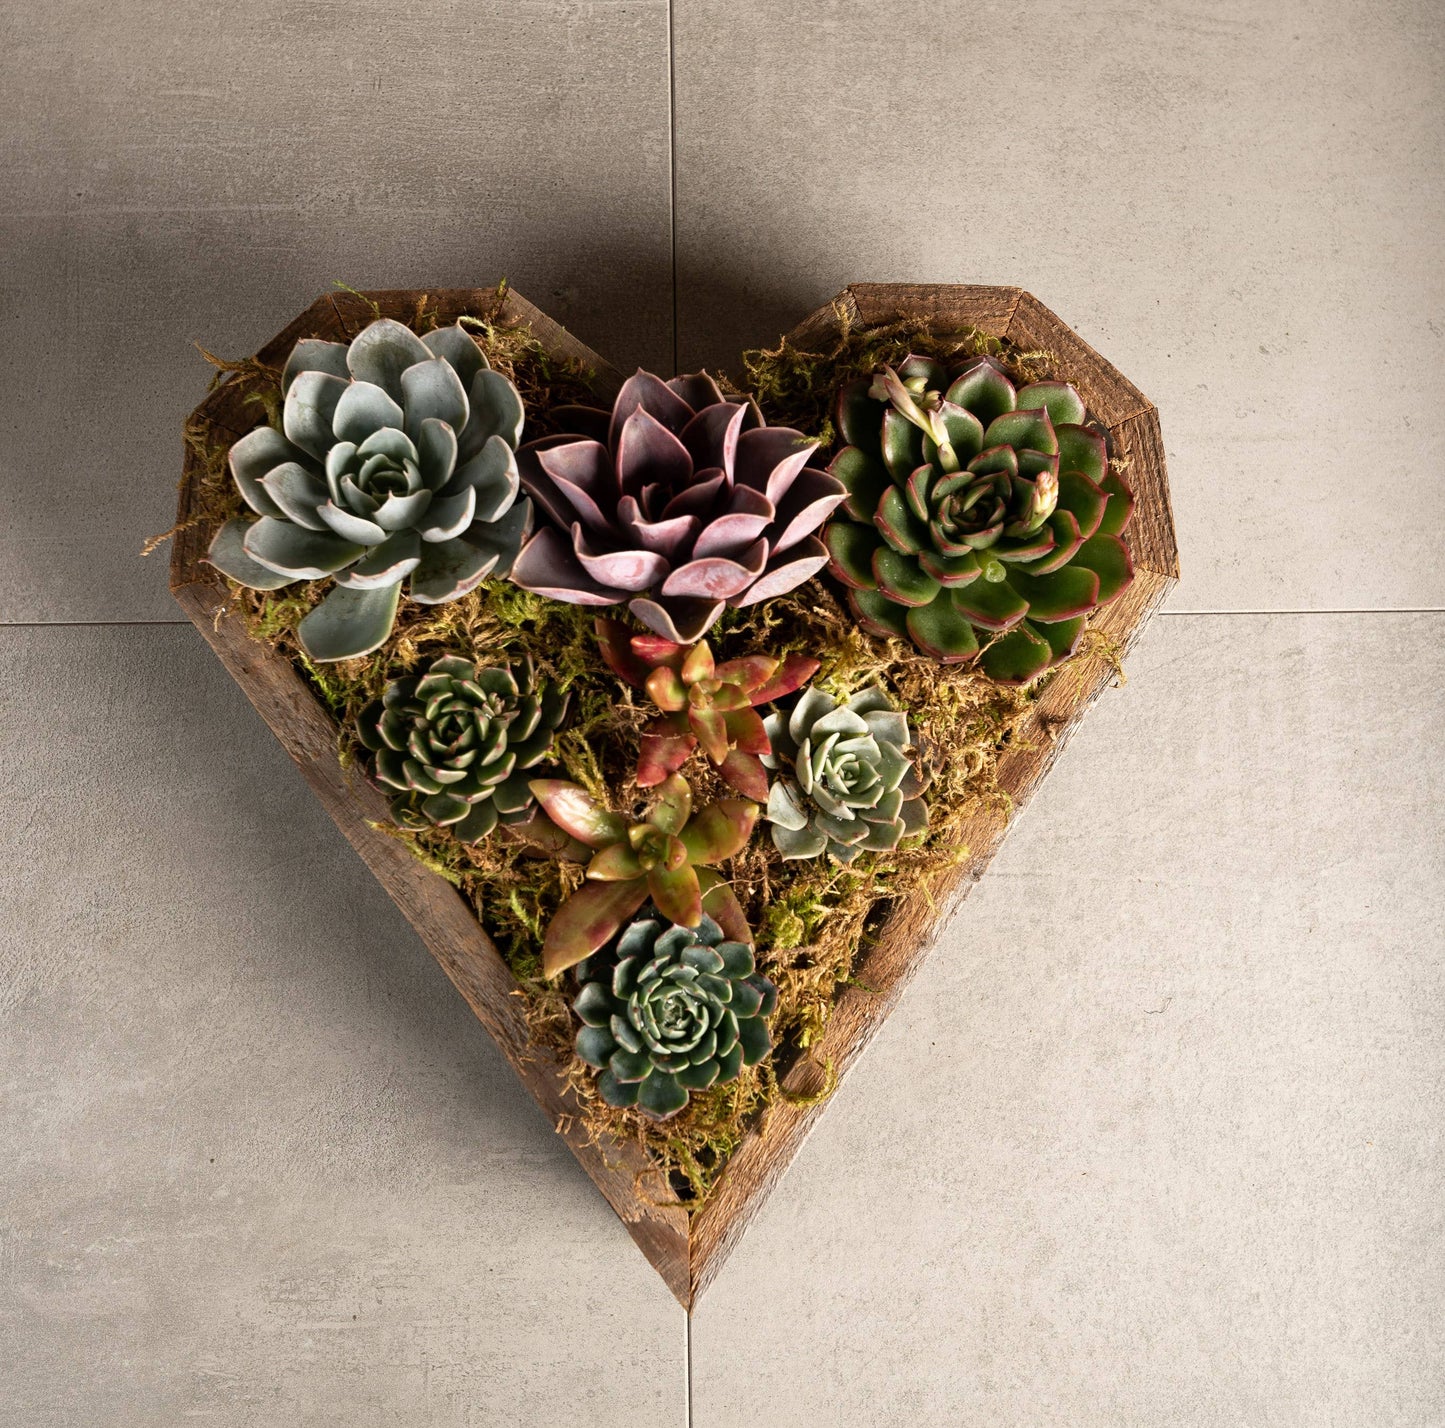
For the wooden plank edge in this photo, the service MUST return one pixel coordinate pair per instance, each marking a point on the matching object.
(442, 918)
(906, 940)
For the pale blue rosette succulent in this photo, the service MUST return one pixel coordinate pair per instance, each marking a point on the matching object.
(396, 462)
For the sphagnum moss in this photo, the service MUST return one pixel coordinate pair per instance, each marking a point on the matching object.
(812, 919)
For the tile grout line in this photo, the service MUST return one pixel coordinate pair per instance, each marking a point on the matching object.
(687, 1364)
(672, 169)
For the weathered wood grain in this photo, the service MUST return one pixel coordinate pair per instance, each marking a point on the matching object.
(689, 1255)
(914, 926)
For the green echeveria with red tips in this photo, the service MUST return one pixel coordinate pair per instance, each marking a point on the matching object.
(982, 519)
(667, 856)
(458, 744)
(703, 702)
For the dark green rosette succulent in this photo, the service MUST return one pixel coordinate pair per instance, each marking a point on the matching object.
(460, 743)
(847, 782)
(673, 1010)
(980, 516)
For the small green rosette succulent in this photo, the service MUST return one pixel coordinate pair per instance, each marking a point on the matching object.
(677, 1009)
(459, 744)
(396, 461)
(847, 782)
(982, 519)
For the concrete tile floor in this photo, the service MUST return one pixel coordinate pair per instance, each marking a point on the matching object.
(1193, 1174)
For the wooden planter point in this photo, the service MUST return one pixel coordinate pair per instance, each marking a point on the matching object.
(688, 1255)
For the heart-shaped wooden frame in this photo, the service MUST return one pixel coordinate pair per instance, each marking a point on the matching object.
(686, 1251)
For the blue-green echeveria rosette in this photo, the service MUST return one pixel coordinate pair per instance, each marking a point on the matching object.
(983, 520)
(458, 745)
(396, 462)
(670, 1011)
(847, 783)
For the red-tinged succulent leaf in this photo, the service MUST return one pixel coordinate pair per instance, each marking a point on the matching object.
(1017, 657)
(965, 432)
(745, 772)
(698, 663)
(1060, 596)
(1026, 547)
(719, 831)
(729, 697)
(913, 367)
(711, 730)
(858, 417)
(902, 445)
(988, 605)
(1067, 539)
(614, 640)
(1082, 450)
(995, 459)
(1062, 636)
(984, 390)
(899, 526)
(794, 672)
(673, 806)
(575, 811)
(656, 650)
(916, 490)
(1120, 510)
(539, 834)
(721, 904)
(1108, 557)
(666, 690)
(588, 920)
(850, 553)
(1059, 399)
(748, 673)
(676, 895)
(900, 578)
(864, 478)
(951, 570)
(940, 630)
(663, 752)
(1022, 430)
(746, 731)
(878, 615)
(615, 864)
(1083, 500)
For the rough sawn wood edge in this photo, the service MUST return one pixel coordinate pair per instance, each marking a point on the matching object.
(441, 916)
(687, 1256)
(914, 926)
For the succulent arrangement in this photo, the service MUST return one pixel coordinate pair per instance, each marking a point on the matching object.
(673, 1010)
(678, 502)
(976, 518)
(395, 462)
(461, 743)
(982, 520)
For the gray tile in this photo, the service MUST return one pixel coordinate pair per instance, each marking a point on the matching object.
(173, 173)
(1154, 1136)
(1238, 204)
(262, 1166)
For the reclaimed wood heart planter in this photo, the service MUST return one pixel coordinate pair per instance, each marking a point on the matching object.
(687, 1247)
